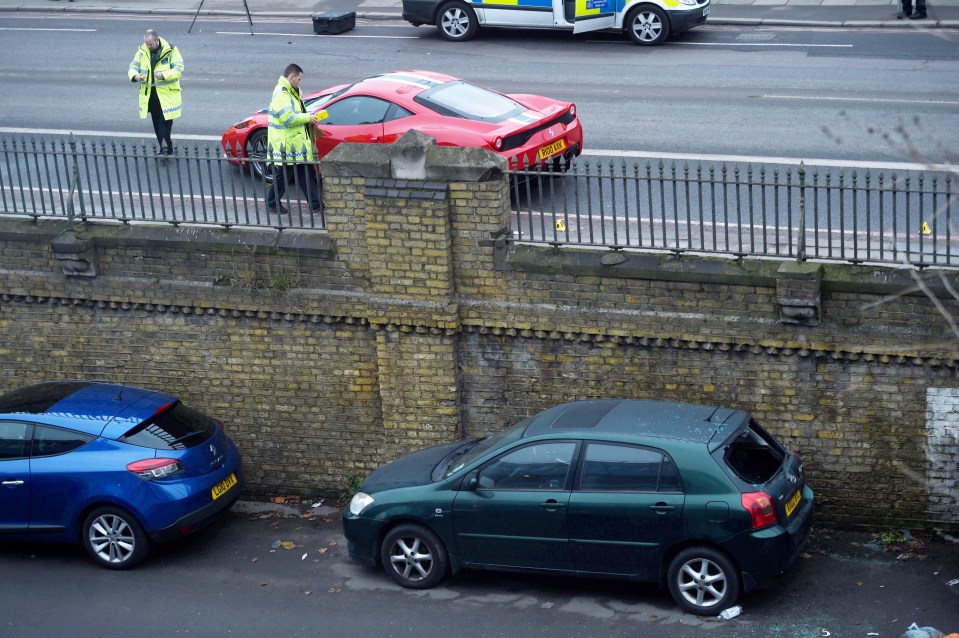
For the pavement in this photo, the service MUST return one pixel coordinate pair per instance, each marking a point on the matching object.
(942, 14)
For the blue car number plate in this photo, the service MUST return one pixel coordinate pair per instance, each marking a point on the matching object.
(224, 486)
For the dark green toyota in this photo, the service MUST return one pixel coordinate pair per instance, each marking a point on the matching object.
(699, 498)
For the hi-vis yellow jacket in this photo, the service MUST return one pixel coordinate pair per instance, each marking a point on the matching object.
(168, 89)
(289, 134)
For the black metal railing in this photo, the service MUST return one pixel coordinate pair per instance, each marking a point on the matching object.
(829, 213)
(875, 215)
(95, 179)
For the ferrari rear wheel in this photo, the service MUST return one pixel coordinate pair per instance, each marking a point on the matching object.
(256, 147)
(456, 21)
(647, 25)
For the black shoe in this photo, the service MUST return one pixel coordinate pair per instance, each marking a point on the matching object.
(902, 15)
(318, 209)
(279, 209)
(918, 16)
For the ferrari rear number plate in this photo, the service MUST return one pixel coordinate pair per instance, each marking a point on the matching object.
(552, 149)
(224, 486)
(793, 502)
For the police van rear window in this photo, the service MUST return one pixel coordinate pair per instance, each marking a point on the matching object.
(462, 99)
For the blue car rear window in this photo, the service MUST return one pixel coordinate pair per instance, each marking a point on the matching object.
(178, 428)
(37, 399)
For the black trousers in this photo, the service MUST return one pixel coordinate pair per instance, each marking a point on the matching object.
(920, 7)
(303, 175)
(162, 127)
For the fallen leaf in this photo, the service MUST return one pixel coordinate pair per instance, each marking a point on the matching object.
(324, 550)
(327, 520)
(859, 583)
(254, 560)
(805, 555)
(332, 543)
(288, 545)
(335, 590)
(307, 593)
(263, 584)
(279, 499)
(303, 557)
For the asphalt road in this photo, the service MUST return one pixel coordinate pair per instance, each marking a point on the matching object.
(717, 90)
(228, 581)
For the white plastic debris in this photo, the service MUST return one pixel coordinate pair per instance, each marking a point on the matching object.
(732, 612)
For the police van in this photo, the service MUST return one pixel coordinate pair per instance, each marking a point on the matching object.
(647, 22)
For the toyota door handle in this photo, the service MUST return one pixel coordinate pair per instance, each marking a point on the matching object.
(13, 483)
(662, 508)
(551, 505)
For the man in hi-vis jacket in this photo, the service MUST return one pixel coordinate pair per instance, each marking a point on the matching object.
(158, 66)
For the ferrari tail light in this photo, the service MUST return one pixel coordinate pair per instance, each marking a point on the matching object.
(760, 508)
(498, 143)
(150, 469)
(572, 110)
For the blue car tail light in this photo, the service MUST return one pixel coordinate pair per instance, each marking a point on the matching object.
(152, 469)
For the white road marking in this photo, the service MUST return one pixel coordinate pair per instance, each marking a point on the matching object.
(766, 44)
(126, 134)
(317, 35)
(39, 29)
(880, 100)
(761, 159)
(743, 159)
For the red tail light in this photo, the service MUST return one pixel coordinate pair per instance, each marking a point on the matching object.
(163, 408)
(150, 469)
(498, 143)
(572, 109)
(760, 508)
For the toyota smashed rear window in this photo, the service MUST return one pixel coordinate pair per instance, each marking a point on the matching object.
(754, 455)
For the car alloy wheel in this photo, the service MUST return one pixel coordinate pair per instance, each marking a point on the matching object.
(414, 557)
(647, 25)
(456, 22)
(703, 581)
(114, 538)
(256, 147)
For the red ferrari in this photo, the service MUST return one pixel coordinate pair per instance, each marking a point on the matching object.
(525, 129)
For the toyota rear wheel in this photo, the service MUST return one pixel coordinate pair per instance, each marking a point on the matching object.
(703, 581)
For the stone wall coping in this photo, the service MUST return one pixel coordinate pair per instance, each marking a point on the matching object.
(198, 238)
(695, 268)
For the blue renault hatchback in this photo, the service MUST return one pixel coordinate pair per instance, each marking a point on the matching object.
(110, 466)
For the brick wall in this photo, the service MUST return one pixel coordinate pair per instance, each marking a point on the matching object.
(415, 320)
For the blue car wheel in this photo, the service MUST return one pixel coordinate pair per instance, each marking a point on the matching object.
(114, 538)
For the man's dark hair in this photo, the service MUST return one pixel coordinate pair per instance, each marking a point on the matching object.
(291, 69)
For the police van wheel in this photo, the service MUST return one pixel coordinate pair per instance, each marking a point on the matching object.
(456, 21)
(256, 147)
(647, 25)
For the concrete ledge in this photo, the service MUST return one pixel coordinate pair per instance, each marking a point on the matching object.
(690, 268)
(266, 241)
